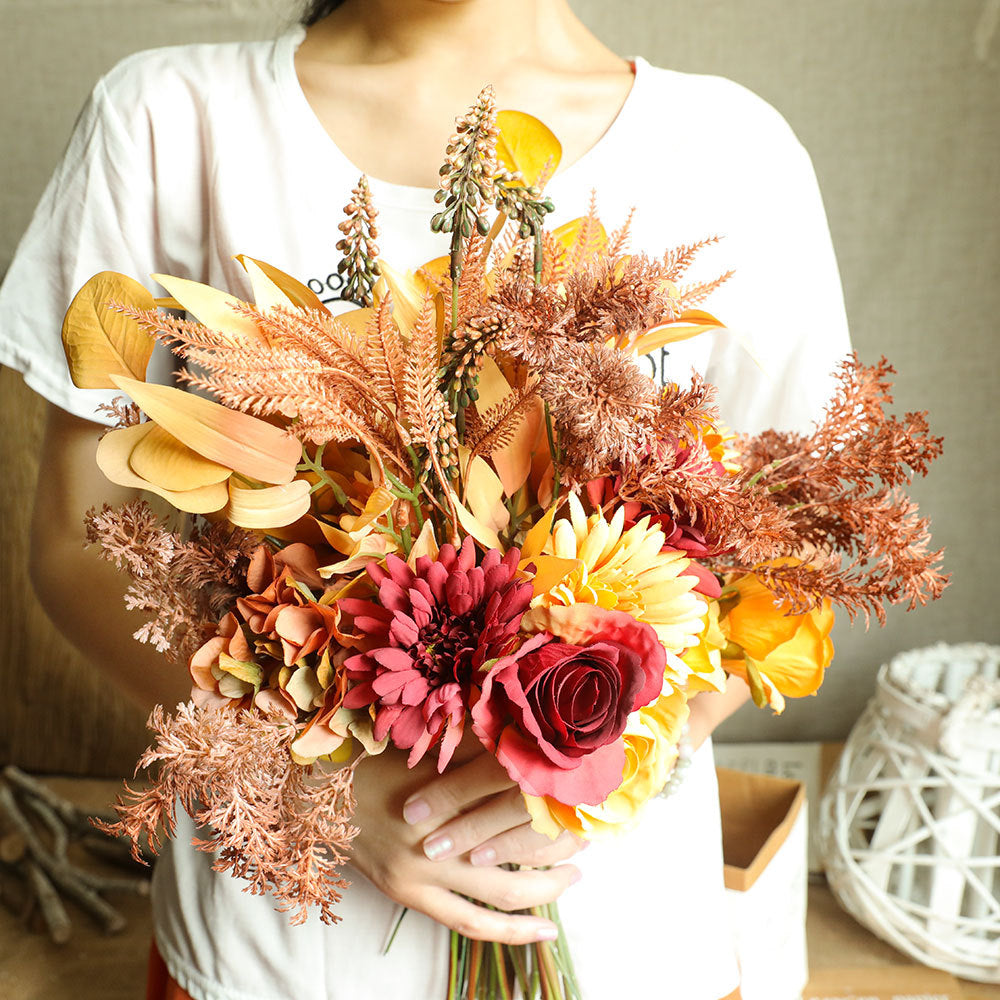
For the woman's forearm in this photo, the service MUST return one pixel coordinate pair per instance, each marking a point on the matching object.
(81, 593)
(709, 709)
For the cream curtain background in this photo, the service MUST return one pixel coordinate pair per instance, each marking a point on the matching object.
(897, 100)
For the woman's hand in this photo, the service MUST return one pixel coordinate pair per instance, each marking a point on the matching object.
(417, 829)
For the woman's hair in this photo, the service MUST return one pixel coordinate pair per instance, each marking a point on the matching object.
(316, 10)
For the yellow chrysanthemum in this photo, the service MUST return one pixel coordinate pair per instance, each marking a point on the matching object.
(651, 737)
(593, 561)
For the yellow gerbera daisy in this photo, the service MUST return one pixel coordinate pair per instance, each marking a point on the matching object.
(593, 561)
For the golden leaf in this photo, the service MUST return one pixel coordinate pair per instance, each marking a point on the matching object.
(113, 455)
(216, 310)
(98, 340)
(294, 291)
(237, 440)
(160, 458)
(690, 324)
(527, 145)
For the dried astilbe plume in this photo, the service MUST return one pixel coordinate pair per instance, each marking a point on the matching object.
(122, 411)
(185, 583)
(284, 828)
(602, 407)
(839, 487)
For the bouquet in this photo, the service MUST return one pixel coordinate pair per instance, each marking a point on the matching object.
(462, 507)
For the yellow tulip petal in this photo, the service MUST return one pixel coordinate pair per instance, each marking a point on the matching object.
(408, 292)
(484, 495)
(424, 545)
(237, 440)
(479, 531)
(113, 453)
(535, 539)
(527, 145)
(160, 458)
(99, 341)
(294, 291)
(216, 310)
(272, 507)
(380, 501)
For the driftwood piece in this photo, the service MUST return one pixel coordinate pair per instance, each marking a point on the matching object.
(37, 830)
(56, 917)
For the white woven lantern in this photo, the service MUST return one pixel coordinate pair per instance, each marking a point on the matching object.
(909, 824)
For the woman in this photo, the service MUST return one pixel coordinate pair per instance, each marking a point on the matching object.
(185, 156)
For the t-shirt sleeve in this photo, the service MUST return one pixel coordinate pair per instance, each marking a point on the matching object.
(96, 215)
(786, 293)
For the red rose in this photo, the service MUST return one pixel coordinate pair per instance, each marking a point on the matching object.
(554, 712)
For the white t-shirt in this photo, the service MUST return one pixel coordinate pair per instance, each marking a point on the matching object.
(185, 156)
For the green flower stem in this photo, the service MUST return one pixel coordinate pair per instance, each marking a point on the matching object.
(453, 967)
(395, 930)
(519, 960)
(498, 958)
(315, 465)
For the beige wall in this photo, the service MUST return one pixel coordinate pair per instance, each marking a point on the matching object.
(899, 103)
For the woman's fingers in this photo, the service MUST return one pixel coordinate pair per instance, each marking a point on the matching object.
(492, 817)
(455, 791)
(507, 890)
(525, 846)
(481, 924)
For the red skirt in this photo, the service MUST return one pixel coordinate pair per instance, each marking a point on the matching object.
(160, 985)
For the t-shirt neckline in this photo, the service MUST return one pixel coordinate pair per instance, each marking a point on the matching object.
(405, 195)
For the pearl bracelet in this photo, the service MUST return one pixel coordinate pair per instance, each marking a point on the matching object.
(684, 754)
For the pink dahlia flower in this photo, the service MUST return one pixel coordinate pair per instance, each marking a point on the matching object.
(428, 635)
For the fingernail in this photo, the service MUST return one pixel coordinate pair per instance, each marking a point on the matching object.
(483, 856)
(576, 876)
(437, 847)
(416, 810)
(549, 932)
